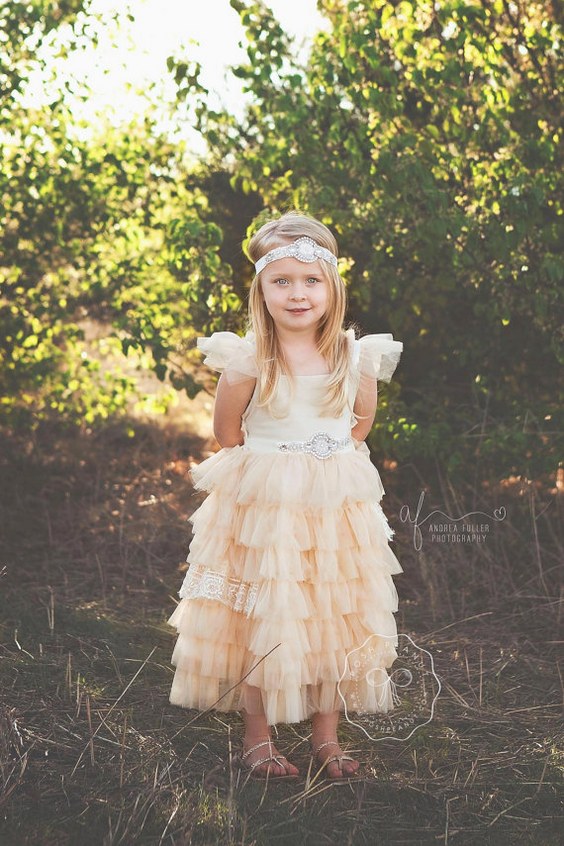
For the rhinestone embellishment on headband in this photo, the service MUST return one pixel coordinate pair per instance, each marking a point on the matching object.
(321, 445)
(303, 249)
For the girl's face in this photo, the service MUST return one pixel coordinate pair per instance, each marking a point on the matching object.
(295, 293)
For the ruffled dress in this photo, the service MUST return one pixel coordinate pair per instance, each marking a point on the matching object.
(288, 603)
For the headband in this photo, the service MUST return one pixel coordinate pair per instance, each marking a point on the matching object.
(304, 249)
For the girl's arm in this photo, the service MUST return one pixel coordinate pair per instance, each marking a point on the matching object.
(230, 404)
(365, 407)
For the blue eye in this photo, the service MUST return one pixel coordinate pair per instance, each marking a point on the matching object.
(284, 282)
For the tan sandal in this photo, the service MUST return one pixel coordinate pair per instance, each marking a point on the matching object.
(339, 758)
(243, 765)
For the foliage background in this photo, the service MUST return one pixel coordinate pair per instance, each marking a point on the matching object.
(426, 135)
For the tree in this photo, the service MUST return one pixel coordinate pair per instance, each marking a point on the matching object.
(427, 136)
(93, 225)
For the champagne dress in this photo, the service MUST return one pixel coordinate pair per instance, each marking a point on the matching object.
(290, 559)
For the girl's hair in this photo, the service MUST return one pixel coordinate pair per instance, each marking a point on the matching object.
(331, 339)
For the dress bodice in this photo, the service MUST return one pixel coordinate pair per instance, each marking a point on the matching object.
(296, 416)
(301, 404)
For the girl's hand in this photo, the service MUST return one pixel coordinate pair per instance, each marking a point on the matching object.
(230, 404)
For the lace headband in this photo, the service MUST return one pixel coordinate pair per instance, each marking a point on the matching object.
(304, 249)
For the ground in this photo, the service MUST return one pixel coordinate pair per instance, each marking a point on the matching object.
(95, 536)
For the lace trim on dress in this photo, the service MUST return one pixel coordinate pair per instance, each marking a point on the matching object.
(209, 584)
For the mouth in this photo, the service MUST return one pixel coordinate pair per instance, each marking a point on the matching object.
(298, 310)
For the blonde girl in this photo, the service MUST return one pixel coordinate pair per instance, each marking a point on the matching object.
(290, 568)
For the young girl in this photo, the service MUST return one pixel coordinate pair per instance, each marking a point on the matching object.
(290, 567)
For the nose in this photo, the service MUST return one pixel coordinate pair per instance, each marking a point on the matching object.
(297, 292)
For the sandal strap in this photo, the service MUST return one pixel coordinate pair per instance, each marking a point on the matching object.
(276, 758)
(338, 758)
(322, 745)
(258, 745)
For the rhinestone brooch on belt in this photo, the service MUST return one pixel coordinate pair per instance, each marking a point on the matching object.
(321, 445)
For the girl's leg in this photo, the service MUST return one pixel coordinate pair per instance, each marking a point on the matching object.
(324, 727)
(257, 730)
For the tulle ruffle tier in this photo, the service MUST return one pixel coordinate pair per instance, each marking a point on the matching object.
(290, 560)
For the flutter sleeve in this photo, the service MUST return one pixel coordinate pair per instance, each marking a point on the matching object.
(378, 356)
(231, 355)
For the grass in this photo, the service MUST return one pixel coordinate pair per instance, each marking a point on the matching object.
(95, 537)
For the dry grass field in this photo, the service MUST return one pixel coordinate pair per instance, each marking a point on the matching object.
(94, 540)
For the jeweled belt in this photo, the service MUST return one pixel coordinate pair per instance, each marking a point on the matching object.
(321, 445)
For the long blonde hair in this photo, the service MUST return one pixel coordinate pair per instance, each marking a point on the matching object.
(331, 339)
